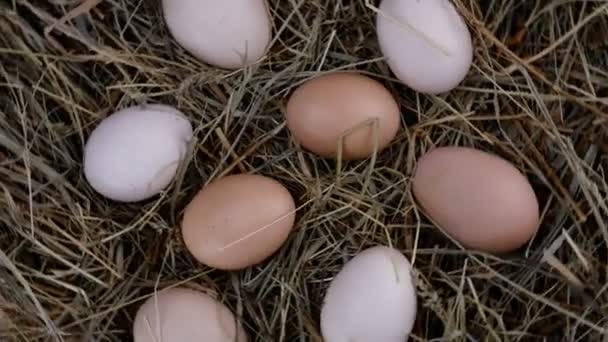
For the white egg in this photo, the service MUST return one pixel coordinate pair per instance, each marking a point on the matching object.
(134, 153)
(371, 299)
(426, 43)
(227, 34)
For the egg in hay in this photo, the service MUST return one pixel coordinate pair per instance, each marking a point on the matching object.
(228, 34)
(343, 109)
(185, 315)
(238, 221)
(426, 43)
(134, 153)
(372, 298)
(478, 198)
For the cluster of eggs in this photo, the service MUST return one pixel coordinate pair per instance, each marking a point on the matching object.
(240, 220)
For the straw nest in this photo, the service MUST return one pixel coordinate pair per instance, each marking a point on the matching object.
(75, 267)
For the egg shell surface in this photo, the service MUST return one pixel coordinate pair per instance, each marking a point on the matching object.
(373, 298)
(134, 153)
(426, 43)
(185, 315)
(228, 34)
(238, 221)
(343, 104)
(478, 198)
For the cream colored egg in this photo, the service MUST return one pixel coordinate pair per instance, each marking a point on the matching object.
(426, 43)
(185, 315)
(371, 299)
(228, 34)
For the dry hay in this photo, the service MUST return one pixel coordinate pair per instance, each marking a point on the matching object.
(75, 267)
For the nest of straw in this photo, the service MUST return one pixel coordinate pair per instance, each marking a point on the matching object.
(75, 266)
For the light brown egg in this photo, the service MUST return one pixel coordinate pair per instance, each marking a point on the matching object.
(238, 221)
(185, 315)
(341, 104)
(478, 198)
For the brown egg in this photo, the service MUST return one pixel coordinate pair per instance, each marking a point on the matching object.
(185, 315)
(478, 198)
(238, 221)
(341, 104)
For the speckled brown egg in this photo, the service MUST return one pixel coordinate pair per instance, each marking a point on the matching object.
(478, 198)
(238, 221)
(343, 107)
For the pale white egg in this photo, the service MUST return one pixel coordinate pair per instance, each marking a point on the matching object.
(228, 34)
(134, 153)
(426, 43)
(371, 299)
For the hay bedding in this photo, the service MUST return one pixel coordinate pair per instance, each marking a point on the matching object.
(75, 267)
